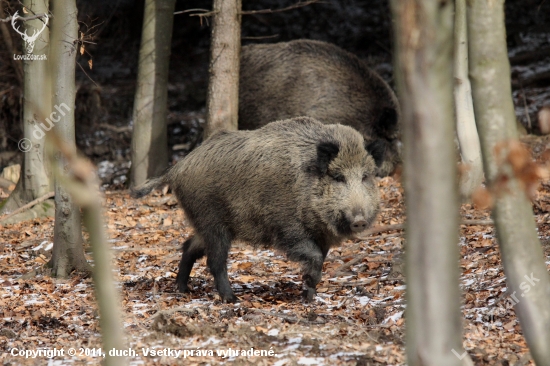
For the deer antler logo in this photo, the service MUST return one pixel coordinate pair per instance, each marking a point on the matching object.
(29, 40)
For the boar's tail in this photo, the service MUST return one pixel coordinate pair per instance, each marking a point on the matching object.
(147, 187)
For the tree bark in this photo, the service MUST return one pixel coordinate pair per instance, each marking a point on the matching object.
(466, 129)
(222, 101)
(423, 58)
(83, 187)
(34, 181)
(522, 255)
(68, 252)
(149, 148)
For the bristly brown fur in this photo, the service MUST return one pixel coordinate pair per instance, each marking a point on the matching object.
(322, 81)
(295, 185)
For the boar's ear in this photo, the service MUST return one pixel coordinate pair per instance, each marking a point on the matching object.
(326, 152)
(377, 149)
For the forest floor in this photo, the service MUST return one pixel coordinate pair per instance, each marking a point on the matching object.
(356, 319)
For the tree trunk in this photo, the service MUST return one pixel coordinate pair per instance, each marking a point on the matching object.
(34, 181)
(149, 139)
(522, 255)
(423, 41)
(466, 130)
(68, 253)
(222, 101)
(83, 186)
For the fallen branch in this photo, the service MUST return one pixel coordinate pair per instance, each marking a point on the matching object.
(28, 205)
(271, 11)
(288, 318)
(381, 229)
(168, 312)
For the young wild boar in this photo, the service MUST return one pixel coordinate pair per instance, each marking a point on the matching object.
(297, 185)
(319, 80)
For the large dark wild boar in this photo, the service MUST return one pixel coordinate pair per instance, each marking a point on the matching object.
(319, 80)
(297, 185)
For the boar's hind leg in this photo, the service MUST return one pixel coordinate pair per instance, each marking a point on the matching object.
(217, 251)
(193, 249)
(311, 257)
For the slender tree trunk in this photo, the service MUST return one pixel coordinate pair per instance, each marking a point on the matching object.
(522, 254)
(423, 41)
(222, 101)
(35, 178)
(149, 139)
(466, 130)
(83, 186)
(68, 253)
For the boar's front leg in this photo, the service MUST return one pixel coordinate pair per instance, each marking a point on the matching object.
(311, 256)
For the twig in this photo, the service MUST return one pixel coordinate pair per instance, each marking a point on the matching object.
(190, 10)
(288, 318)
(477, 222)
(115, 128)
(171, 311)
(85, 73)
(262, 37)
(346, 265)
(525, 106)
(37, 16)
(381, 229)
(29, 205)
(271, 11)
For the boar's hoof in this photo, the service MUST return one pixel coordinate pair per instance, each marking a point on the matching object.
(359, 225)
(183, 288)
(230, 298)
(309, 294)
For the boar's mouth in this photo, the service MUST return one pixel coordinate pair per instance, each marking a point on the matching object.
(343, 224)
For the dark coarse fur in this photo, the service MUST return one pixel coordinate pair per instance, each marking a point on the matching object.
(296, 185)
(319, 80)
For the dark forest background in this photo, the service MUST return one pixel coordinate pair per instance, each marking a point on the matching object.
(106, 91)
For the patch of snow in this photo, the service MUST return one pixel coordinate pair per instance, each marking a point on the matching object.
(33, 302)
(364, 300)
(40, 246)
(395, 317)
(311, 361)
(402, 287)
(295, 340)
(281, 362)
(469, 282)
(273, 332)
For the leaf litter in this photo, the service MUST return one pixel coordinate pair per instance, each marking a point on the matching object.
(358, 317)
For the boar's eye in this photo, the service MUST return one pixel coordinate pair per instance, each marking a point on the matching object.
(365, 177)
(337, 177)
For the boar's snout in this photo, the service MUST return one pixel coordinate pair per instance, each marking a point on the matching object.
(359, 224)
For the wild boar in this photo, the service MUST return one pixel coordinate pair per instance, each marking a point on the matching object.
(298, 186)
(319, 80)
